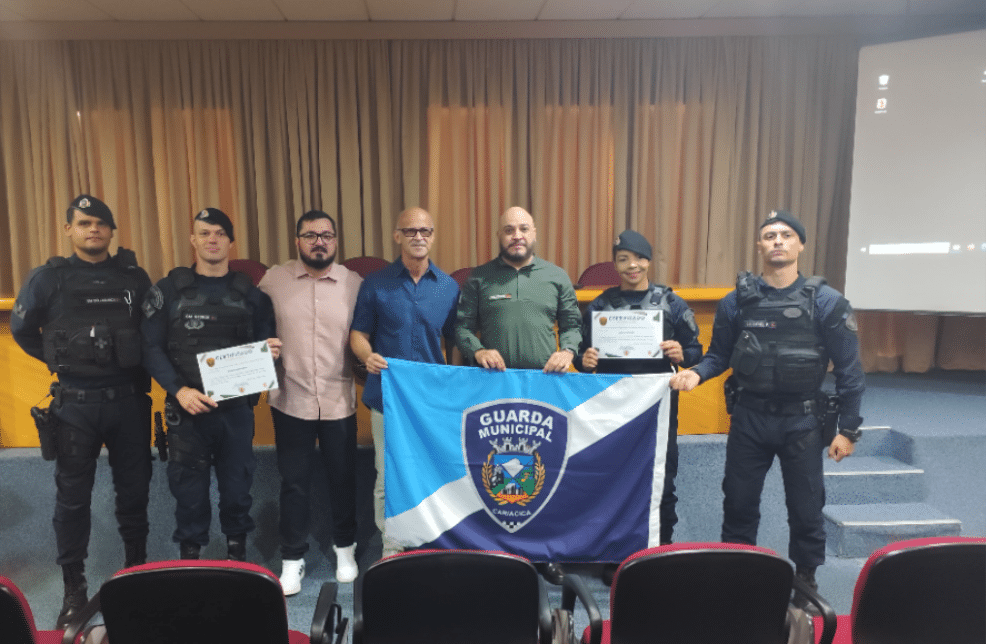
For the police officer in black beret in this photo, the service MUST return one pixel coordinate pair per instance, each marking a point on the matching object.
(81, 316)
(680, 347)
(778, 332)
(193, 310)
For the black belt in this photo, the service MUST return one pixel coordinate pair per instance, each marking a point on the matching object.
(808, 407)
(103, 394)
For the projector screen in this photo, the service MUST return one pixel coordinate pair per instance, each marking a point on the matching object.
(917, 226)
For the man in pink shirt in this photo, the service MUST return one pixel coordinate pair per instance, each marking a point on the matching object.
(314, 298)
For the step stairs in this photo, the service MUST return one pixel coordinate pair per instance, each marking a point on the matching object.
(876, 497)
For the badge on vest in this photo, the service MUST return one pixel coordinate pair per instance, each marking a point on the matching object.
(503, 296)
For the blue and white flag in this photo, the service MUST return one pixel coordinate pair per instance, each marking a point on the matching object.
(552, 467)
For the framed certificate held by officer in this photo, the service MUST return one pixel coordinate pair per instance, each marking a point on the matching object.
(628, 335)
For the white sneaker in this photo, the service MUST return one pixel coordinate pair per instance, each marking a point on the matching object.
(292, 572)
(346, 570)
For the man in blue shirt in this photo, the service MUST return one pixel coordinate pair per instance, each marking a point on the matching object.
(402, 311)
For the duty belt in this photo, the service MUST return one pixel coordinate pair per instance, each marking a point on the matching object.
(102, 394)
(808, 407)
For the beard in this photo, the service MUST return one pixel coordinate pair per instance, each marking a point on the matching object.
(526, 255)
(316, 263)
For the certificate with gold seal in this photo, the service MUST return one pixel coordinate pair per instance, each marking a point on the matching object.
(237, 371)
(628, 335)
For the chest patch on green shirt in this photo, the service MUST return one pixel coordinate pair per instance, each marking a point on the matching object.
(504, 296)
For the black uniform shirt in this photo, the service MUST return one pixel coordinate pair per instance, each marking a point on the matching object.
(836, 329)
(684, 332)
(36, 306)
(157, 324)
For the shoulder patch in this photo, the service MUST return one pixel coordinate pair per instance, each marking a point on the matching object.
(851, 321)
(19, 309)
(153, 301)
(689, 318)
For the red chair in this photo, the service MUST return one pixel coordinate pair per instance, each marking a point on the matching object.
(251, 267)
(443, 596)
(365, 265)
(601, 274)
(200, 602)
(461, 275)
(17, 621)
(699, 593)
(920, 591)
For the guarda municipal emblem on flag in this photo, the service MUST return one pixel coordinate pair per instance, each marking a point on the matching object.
(516, 451)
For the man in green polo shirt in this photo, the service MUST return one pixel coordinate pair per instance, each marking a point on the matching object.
(514, 302)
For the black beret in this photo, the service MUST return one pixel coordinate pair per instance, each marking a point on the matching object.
(216, 217)
(634, 242)
(787, 218)
(93, 207)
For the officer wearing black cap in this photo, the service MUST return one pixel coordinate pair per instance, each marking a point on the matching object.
(193, 310)
(81, 316)
(778, 332)
(680, 348)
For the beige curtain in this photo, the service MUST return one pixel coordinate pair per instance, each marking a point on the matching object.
(689, 140)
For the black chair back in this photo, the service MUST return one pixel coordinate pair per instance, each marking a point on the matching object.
(450, 597)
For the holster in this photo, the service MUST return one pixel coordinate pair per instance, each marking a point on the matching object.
(160, 438)
(47, 424)
(731, 391)
(830, 418)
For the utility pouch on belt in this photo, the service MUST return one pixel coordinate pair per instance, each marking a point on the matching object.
(746, 354)
(47, 424)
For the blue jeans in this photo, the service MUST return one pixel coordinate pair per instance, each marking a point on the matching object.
(295, 441)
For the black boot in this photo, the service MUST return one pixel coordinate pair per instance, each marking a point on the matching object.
(76, 593)
(135, 552)
(806, 575)
(236, 547)
(188, 550)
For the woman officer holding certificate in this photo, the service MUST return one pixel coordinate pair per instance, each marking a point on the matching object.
(672, 328)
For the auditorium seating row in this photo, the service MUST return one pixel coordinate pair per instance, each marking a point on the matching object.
(923, 591)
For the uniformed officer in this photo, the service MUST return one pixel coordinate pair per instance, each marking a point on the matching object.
(778, 333)
(680, 347)
(193, 310)
(81, 317)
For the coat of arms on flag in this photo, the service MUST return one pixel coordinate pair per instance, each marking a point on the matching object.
(553, 467)
(520, 439)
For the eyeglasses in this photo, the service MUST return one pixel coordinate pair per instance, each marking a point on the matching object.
(311, 237)
(411, 232)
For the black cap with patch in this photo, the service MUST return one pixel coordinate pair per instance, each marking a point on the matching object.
(216, 217)
(89, 205)
(784, 216)
(634, 242)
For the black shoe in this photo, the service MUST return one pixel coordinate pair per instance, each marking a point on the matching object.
(76, 593)
(135, 552)
(188, 550)
(236, 547)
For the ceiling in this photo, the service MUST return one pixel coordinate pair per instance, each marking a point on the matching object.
(467, 10)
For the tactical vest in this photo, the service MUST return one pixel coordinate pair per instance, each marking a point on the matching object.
(202, 323)
(778, 350)
(94, 329)
(655, 300)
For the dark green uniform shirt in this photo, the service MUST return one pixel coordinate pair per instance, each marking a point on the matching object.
(515, 312)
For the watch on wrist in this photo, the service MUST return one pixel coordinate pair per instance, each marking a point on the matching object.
(852, 434)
